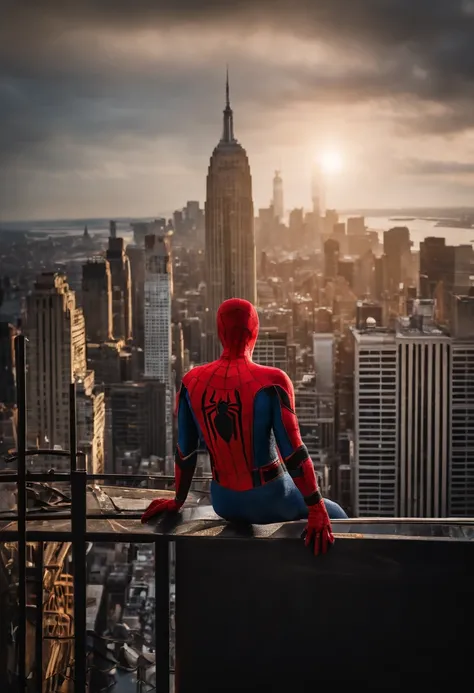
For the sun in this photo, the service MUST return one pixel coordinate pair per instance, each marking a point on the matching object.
(330, 161)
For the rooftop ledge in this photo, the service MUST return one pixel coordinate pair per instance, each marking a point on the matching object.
(389, 608)
(117, 510)
(385, 610)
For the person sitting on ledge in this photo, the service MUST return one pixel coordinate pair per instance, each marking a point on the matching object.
(245, 414)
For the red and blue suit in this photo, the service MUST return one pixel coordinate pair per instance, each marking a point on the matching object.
(244, 414)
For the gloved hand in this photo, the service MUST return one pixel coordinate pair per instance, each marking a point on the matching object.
(318, 536)
(160, 505)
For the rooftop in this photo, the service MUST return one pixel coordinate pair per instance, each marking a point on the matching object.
(253, 601)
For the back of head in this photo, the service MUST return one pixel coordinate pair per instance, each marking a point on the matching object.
(237, 327)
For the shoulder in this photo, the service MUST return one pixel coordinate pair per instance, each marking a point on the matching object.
(197, 374)
(273, 377)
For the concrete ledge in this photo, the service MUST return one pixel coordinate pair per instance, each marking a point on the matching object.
(378, 613)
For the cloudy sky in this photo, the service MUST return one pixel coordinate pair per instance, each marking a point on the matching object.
(112, 107)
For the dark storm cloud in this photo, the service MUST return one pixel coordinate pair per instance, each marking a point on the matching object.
(439, 32)
(59, 82)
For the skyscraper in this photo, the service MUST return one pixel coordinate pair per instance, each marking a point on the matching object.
(396, 248)
(404, 391)
(157, 308)
(158, 337)
(136, 256)
(278, 209)
(331, 258)
(121, 288)
(375, 419)
(230, 240)
(97, 299)
(90, 412)
(7, 364)
(56, 354)
(461, 391)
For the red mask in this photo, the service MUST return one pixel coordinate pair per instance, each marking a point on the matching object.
(237, 327)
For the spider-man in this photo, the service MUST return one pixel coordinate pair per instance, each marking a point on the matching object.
(245, 415)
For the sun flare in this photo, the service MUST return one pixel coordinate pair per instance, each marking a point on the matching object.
(330, 161)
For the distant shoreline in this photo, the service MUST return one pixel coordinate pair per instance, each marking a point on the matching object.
(400, 213)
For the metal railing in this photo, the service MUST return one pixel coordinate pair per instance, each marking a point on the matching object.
(78, 536)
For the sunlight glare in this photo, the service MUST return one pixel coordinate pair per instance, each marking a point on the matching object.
(330, 161)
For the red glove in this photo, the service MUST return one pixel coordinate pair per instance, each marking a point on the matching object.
(318, 534)
(160, 505)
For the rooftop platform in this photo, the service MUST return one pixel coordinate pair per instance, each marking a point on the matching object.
(388, 609)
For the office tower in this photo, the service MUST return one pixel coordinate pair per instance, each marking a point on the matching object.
(423, 421)
(56, 354)
(193, 212)
(278, 209)
(306, 406)
(136, 256)
(271, 349)
(397, 251)
(121, 288)
(356, 226)
(375, 424)
(178, 221)
(157, 292)
(463, 267)
(331, 220)
(315, 414)
(331, 258)
(7, 364)
(178, 354)
(324, 364)
(461, 390)
(158, 338)
(112, 362)
(436, 265)
(192, 334)
(148, 228)
(364, 275)
(137, 421)
(296, 222)
(265, 225)
(346, 269)
(323, 320)
(97, 300)
(230, 242)
(112, 229)
(90, 416)
(339, 230)
(402, 419)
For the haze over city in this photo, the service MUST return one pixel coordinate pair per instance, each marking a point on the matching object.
(113, 109)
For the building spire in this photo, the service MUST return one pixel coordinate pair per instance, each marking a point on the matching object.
(228, 132)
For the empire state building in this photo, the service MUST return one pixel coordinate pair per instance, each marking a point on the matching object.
(230, 240)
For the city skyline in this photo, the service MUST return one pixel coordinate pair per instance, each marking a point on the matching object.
(102, 117)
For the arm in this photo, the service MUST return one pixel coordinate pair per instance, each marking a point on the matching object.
(186, 450)
(184, 460)
(299, 465)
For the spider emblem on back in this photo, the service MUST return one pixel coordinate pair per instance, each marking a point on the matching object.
(222, 417)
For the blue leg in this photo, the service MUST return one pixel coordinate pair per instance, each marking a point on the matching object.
(335, 511)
